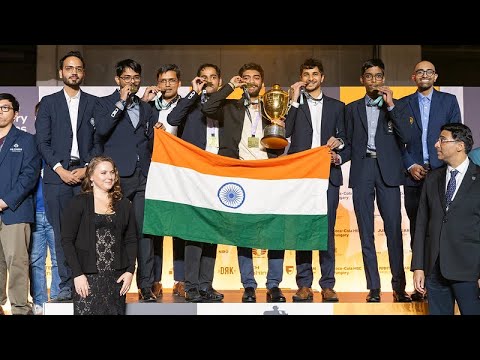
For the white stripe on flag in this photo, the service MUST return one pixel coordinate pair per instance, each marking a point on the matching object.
(245, 196)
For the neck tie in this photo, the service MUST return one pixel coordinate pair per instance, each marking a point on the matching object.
(452, 184)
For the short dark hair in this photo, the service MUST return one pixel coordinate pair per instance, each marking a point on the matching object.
(372, 63)
(311, 63)
(127, 63)
(203, 66)
(12, 99)
(76, 54)
(169, 67)
(251, 66)
(460, 132)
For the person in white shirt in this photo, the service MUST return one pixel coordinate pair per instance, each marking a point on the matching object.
(163, 98)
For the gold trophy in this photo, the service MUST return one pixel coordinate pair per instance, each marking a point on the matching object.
(275, 106)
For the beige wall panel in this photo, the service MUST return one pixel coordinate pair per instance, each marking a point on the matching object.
(342, 63)
(281, 62)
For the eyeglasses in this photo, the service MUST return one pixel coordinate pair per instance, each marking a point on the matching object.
(128, 78)
(443, 140)
(428, 72)
(5, 108)
(170, 81)
(71, 68)
(369, 76)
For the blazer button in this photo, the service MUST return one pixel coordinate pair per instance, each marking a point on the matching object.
(444, 220)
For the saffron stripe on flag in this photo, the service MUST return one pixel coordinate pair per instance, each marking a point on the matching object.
(304, 164)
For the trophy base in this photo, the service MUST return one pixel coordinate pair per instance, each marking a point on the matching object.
(275, 142)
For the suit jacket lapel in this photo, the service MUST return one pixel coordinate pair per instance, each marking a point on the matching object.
(140, 116)
(306, 110)
(416, 110)
(64, 110)
(8, 143)
(463, 191)
(81, 109)
(361, 108)
(323, 126)
(433, 108)
(441, 188)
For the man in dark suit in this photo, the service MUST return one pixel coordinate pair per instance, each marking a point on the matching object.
(125, 131)
(377, 129)
(243, 128)
(315, 120)
(445, 258)
(65, 129)
(428, 110)
(205, 133)
(163, 98)
(20, 165)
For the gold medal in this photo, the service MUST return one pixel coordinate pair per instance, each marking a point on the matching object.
(253, 142)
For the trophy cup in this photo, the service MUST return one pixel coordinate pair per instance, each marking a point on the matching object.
(275, 106)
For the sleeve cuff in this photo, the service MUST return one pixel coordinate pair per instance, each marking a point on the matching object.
(121, 104)
(343, 144)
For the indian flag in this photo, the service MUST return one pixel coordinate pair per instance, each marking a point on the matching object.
(263, 204)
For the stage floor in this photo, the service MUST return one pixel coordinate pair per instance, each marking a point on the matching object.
(351, 303)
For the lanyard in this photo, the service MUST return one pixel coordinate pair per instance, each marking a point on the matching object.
(254, 123)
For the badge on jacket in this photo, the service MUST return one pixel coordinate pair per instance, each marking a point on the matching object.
(390, 127)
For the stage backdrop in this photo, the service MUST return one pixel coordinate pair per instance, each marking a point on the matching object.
(349, 266)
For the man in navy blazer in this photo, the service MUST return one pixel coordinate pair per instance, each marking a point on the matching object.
(20, 165)
(204, 133)
(428, 110)
(124, 128)
(314, 120)
(377, 128)
(65, 129)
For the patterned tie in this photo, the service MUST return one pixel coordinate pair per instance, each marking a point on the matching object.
(452, 184)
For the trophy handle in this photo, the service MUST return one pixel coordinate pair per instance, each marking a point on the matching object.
(262, 109)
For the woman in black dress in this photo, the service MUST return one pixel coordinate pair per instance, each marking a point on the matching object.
(100, 242)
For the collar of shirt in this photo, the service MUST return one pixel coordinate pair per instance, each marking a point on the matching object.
(421, 97)
(313, 99)
(69, 98)
(462, 168)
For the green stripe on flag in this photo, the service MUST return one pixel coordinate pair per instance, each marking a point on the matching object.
(264, 231)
